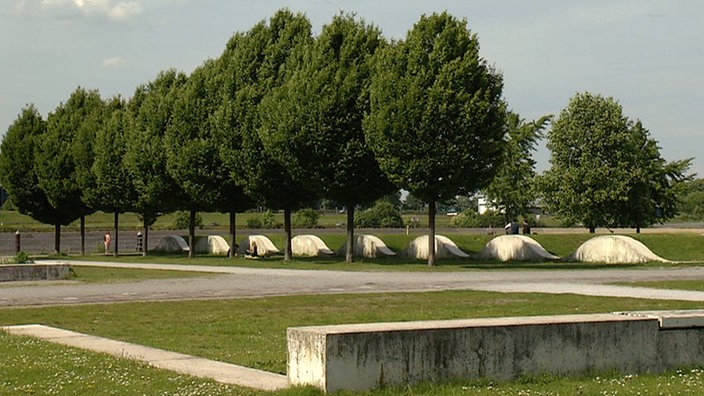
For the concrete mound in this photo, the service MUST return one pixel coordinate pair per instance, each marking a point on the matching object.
(310, 246)
(444, 248)
(213, 244)
(264, 245)
(171, 243)
(368, 246)
(515, 248)
(615, 249)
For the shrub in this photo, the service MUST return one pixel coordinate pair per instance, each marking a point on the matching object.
(269, 220)
(471, 219)
(23, 258)
(254, 222)
(305, 218)
(382, 214)
(182, 219)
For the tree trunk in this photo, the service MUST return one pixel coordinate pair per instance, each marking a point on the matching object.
(637, 229)
(592, 229)
(57, 238)
(192, 235)
(349, 249)
(431, 234)
(288, 254)
(83, 235)
(233, 244)
(145, 243)
(116, 226)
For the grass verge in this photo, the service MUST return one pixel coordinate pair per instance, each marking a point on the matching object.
(695, 285)
(251, 332)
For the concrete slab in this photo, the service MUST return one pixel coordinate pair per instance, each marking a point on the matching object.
(682, 319)
(185, 364)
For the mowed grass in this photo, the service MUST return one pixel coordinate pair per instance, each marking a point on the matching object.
(35, 367)
(695, 285)
(252, 332)
(685, 249)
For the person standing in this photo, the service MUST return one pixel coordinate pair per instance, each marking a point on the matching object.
(106, 241)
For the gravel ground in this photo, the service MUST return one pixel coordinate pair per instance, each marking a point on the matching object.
(233, 282)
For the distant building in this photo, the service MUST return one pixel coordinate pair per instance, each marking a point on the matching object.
(483, 204)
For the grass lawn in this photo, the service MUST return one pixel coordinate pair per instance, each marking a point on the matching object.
(252, 332)
(116, 275)
(696, 285)
(686, 248)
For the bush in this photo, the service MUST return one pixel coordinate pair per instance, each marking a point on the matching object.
(471, 219)
(183, 218)
(269, 220)
(23, 258)
(254, 222)
(381, 215)
(305, 218)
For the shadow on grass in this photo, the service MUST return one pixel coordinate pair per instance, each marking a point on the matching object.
(338, 263)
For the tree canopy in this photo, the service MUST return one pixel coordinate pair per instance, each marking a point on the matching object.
(436, 124)
(18, 173)
(313, 122)
(255, 63)
(605, 170)
(514, 188)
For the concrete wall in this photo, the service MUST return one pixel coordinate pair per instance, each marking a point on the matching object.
(367, 356)
(29, 272)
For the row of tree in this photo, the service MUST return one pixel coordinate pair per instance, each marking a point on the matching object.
(282, 119)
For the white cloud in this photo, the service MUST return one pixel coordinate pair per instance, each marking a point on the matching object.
(125, 10)
(70, 9)
(115, 62)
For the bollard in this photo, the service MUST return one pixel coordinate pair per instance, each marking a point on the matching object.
(18, 244)
(139, 241)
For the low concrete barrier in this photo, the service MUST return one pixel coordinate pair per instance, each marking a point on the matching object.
(30, 272)
(367, 356)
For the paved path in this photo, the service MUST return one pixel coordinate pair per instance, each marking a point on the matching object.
(234, 282)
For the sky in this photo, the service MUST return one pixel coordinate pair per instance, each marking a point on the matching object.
(646, 54)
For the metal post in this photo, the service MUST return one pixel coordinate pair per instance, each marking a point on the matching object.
(18, 240)
(139, 241)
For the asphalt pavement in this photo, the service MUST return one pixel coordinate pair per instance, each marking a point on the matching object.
(237, 282)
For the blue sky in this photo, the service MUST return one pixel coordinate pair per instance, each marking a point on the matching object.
(648, 55)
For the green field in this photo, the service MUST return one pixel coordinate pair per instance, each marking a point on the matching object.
(251, 332)
(685, 248)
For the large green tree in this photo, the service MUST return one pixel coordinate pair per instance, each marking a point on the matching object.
(66, 157)
(193, 157)
(113, 191)
(254, 63)
(514, 187)
(655, 182)
(313, 122)
(18, 173)
(436, 123)
(691, 200)
(149, 113)
(605, 170)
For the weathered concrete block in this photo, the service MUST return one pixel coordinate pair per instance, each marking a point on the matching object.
(367, 356)
(30, 272)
